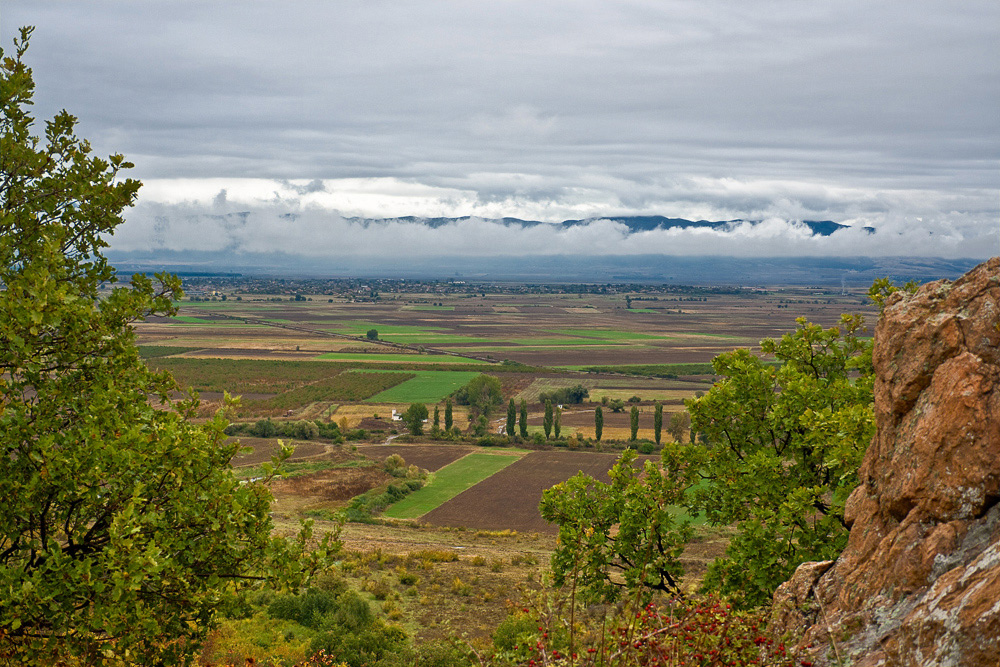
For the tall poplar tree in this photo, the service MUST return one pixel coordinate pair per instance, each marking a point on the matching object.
(511, 418)
(658, 422)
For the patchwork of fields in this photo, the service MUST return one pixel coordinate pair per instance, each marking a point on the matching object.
(312, 358)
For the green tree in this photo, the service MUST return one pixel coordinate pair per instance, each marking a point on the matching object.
(557, 422)
(483, 393)
(449, 419)
(523, 421)
(619, 536)
(658, 422)
(679, 422)
(547, 419)
(414, 418)
(372, 334)
(511, 418)
(783, 448)
(617, 405)
(437, 418)
(123, 529)
(633, 422)
(598, 423)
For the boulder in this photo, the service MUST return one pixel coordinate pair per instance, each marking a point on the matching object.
(919, 580)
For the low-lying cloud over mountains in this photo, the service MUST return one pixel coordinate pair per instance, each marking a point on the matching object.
(334, 221)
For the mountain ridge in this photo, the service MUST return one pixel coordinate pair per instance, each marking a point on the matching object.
(634, 223)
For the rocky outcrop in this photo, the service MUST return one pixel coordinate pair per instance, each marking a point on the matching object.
(919, 580)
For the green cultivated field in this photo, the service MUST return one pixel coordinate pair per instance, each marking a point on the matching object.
(187, 319)
(360, 328)
(152, 351)
(610, 334)
(436, 338)
(426, 387)
(398, 358)
(450, 481)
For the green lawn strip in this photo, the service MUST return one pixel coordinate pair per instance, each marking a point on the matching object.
(398, 358)
(152, 351)
(360, 328)
(641, 310)
(609, 334)
(428, 307)
(431, 338)
(426, 387)
(448, 482)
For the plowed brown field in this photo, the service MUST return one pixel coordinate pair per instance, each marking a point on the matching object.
(509, 499)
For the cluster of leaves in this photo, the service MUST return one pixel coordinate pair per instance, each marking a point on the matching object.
(301, 429)
(617, 536)
(783, 448)
(122, 519)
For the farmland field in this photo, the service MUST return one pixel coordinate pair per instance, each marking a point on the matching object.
(424, 387)
(428, 457)
(449, 481)
(509, 499)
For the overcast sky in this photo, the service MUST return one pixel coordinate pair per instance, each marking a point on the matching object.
(867, 113)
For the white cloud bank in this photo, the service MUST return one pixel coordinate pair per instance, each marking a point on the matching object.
(320, 219)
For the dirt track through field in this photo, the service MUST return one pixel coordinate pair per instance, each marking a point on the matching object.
(509, 499)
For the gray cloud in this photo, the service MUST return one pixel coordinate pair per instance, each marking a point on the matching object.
(865, 113)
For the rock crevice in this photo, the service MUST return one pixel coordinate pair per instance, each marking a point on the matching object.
(919, 581)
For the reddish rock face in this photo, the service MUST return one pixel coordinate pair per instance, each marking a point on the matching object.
(919, 581)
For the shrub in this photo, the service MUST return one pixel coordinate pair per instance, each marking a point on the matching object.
(515, 631)
(566, 395)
